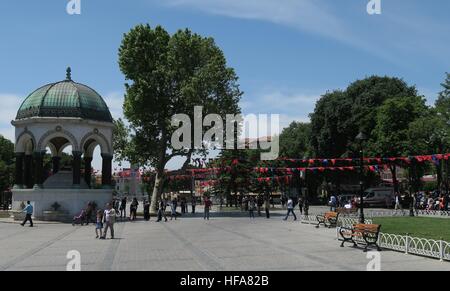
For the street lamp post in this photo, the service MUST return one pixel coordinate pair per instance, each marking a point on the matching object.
(361, 137)
(412, 175)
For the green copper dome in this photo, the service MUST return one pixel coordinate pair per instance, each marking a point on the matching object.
(65, 99)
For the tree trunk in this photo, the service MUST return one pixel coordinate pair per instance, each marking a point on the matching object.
(157, 189)
(439, 175)
(159, 178)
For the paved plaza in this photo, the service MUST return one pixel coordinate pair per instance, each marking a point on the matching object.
(192, 244)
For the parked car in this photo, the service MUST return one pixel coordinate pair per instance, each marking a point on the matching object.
(378, 197)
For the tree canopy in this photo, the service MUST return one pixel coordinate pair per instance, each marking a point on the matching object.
(169, 75)
(340, 115)
(6, 163)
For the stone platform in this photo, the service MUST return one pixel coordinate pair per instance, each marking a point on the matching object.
(71, 200)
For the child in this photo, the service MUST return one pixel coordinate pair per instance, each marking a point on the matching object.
(99, 225)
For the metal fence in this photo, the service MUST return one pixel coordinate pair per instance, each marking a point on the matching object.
(342, 221)
(438, 249)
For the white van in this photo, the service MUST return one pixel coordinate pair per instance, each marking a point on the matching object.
(379, 197)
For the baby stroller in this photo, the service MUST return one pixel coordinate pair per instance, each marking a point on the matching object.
(79, 219)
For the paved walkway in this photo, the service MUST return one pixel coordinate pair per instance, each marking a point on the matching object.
(223, 243)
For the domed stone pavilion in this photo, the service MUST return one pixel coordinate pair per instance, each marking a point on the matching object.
(52, 118)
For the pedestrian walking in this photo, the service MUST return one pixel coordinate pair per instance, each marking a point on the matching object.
(109, 218)
(290, 209)
(193, 204)
(251, 207)
(162, 210)
(208, 205)
(133, 209)
(173, 205)
(333, 203)
(28, 210)
(267, 207)
(300, 205)
(398, 202)
(99, 224)
(116, 205)
(123, 208)
(259, 204)
(146, 210)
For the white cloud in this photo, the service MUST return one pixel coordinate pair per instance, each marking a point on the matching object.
(397, 34)
(287, 105)
(10, 103)
(311, 16)
(114, 100)
(290, 106)
(307, 15)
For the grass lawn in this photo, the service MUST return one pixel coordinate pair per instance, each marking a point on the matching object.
(422, 227)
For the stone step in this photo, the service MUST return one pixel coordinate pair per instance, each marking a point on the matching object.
(62, 180)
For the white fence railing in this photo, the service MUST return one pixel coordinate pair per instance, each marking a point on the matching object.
(342, 221)
(437, 249)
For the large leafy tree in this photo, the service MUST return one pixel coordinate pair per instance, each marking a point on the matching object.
(6, 163)
(393, 120)
(328, 137)
(431, 133)
(295, 140)
(340, 115)
(391, 136)
(168, 75)
(443, 101)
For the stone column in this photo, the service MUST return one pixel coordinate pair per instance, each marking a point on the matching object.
(88, 170)
(39, 170)
(106, 170)
(28, 171)
(76, 168)
(56, 164)
(18, 177)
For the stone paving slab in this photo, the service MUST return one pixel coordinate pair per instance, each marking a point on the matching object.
(234, 244)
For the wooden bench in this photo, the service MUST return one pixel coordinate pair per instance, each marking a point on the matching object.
(329, 219)
(366, 234)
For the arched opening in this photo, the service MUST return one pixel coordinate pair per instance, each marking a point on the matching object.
(96, 167)
(58, 165)
(97, 157)
(25, 147)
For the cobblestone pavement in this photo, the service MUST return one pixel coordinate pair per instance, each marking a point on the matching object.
(190, 243)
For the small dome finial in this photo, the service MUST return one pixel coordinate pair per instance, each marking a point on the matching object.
(69, 74)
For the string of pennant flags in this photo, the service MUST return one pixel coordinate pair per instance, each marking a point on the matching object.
(208, 176)
(372, 164)
(422, 158)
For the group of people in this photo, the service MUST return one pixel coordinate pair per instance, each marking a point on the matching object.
(105, 219)
(432, 201)
(120, 206)
(164, 202)
(422, 200)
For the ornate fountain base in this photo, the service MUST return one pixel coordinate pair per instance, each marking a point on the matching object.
(72, 201)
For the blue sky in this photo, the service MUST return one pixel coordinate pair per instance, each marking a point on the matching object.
(286, 53)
